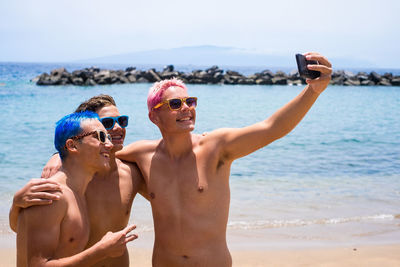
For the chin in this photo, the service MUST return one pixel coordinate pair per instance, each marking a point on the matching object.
(117, 147)
(106, 167)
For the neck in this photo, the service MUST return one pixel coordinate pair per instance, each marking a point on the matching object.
(177, 145)
(77, 176)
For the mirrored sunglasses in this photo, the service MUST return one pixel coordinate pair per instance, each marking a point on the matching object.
(109, 122)
(177, 103)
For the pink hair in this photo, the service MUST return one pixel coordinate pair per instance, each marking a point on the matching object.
(157, 90)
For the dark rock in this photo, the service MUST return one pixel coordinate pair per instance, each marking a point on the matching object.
(384, 82)
(168, 68)
(90, 82)
(131, 78)
(129, 69)
(367, 83)
(77, 81)
(375, 77)
(263, 81)
(280, 74)
(388, 76)
(351, 82)
(279, 80)
(142, 80)
(396, 81)
(213, 75)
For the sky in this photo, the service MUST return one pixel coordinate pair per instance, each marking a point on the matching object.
(64, 31)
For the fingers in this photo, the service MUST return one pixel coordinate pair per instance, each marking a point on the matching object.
(130, 238)
(40, 181)
(318, 57)
(45, 173)
(321, 68)
(45, 195)
(39, 202)
(46, 187)
(127, 229)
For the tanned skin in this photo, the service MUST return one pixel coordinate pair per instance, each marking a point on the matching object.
(187, 175)
(109, 194)
(57, 235)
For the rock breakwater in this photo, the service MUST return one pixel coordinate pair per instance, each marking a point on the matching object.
(214, 75)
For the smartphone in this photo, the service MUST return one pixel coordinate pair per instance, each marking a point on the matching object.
(302, 63)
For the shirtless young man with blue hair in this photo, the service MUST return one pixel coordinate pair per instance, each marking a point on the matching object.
(110, 193)
(57, 234)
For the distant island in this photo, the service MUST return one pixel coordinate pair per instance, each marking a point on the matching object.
(213, 75)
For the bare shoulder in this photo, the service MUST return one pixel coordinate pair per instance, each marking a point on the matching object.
(47, 214)
(213, 137)
(130, 168)
(143, 145)
(136, 150)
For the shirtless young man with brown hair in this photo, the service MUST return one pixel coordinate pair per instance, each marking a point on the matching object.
(187, 175)
(109, 195)
(57, 234)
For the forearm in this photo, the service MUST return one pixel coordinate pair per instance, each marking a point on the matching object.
(286, 118)
(127, 153)
(85, 258)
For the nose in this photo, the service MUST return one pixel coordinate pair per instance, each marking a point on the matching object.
(108, 144)
(184, 105)
(116, 126)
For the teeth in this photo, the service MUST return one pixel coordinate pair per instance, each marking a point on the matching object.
(184, 119)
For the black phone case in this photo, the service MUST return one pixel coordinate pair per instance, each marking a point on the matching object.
(302, 63)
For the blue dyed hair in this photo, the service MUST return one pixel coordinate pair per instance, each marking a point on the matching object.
(68, 127)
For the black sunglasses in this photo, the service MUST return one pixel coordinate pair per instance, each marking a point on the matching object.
(109, 122)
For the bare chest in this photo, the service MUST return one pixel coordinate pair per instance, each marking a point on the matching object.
(75, 228)
(194, 182)
(109, 202)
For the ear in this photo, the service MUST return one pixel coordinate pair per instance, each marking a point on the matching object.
(70, 145)
(153, 116)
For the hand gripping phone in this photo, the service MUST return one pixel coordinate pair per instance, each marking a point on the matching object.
(302, 63)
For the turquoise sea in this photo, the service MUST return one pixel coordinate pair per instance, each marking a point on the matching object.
(335, 179)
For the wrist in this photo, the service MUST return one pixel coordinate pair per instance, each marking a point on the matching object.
(311, 90)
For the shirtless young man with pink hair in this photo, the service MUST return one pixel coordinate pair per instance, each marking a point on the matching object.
(187, 175)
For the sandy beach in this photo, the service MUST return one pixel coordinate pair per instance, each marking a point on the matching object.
(387, 255)
(341, 256)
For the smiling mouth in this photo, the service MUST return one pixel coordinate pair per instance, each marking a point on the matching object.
(184, 119)
(106, 155)
(117, 137)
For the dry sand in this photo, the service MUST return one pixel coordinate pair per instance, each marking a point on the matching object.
(368, 256)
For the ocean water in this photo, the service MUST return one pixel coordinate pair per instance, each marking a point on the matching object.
(334, 179)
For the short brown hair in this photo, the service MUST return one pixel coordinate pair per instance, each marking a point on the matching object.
(95, 103)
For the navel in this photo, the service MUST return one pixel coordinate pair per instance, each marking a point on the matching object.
(152, 195)
(185, 257)
(200, 189)
(71, 239)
